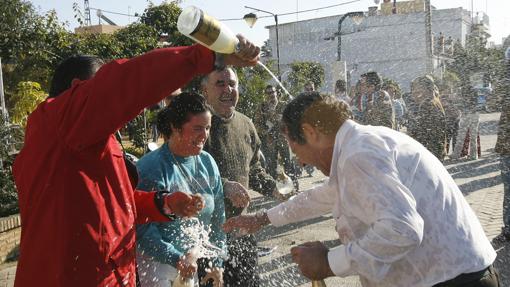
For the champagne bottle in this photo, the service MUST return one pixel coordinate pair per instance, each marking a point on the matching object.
(318, 283)
(206, 30)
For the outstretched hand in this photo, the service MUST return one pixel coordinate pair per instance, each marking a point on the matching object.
(183, 204)
(236, 193)
(245, 223)
(246, 55)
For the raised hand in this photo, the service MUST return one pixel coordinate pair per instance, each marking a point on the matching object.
(236, 193)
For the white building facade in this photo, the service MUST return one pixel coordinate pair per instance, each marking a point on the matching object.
(393, 45)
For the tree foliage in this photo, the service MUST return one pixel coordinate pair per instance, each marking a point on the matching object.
(303, 72)
(11, 140)
(475, 57)
(163, 18)
(252, 82)
(27, 97)
(32, 44)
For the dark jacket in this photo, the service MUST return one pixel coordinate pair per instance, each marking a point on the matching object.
(235, 145)
(427, 125)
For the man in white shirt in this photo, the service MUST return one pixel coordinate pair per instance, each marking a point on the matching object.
(400, 216)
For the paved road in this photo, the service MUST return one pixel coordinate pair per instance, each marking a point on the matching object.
(479, 180)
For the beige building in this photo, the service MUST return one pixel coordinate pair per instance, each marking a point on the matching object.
(97, 29)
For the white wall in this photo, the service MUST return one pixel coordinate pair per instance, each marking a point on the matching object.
(392, 45)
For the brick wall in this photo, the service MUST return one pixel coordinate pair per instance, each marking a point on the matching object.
(10, 232)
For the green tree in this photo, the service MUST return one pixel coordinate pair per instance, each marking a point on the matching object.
(476, 58)
(31, 44)
(252, 82)
(302, 72)
(11, 140)
(163, 18)
(27, 97)
(135, 40)
(103, 46)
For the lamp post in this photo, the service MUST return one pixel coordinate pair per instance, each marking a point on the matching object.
(251, 18)
(357, 17)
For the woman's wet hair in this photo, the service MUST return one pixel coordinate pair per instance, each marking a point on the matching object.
(179, 111)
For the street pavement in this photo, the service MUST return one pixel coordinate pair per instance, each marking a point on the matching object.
(479, 180)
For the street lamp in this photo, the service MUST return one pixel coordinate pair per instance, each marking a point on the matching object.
(251, 18)
(357, 18)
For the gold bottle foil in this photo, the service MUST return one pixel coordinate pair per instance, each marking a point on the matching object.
(207, 30)
(318, 283)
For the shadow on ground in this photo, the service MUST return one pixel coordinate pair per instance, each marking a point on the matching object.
(488, 128)
(502, 262)
(464, 169)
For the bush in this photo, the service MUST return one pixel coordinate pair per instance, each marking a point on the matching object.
(11, 140)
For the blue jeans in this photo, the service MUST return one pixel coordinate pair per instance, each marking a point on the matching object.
(505, 175)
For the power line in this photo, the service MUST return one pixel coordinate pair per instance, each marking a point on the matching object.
(116, 13)
(297, 12)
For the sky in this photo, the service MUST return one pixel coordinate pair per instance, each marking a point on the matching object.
(497, 10)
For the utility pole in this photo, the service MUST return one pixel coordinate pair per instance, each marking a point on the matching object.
(2, 97)
(428, 38)
(86, 7)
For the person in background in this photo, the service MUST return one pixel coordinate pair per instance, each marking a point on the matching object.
(341, 92)
(399, 106)
(235, 145)
(379, 109)
(503, 147)
(401, 219)
(154, 109)
(467, 142)
(181, 165)
(77, 204)
(428, 124)
(453, 115)
(358, 102)
(273, 144)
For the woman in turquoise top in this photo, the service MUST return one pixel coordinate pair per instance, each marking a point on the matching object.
(180, 165)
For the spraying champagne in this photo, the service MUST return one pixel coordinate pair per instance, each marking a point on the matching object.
(208, 31)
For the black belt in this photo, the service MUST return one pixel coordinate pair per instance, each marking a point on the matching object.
(465, 278)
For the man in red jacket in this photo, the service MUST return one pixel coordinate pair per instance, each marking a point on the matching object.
(77, 206)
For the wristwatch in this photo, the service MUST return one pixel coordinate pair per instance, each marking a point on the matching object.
(159, 200)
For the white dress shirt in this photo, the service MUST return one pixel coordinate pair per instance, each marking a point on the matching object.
(400, 216)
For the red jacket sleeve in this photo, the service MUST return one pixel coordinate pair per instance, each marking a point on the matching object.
(92, 110)
(146, 210)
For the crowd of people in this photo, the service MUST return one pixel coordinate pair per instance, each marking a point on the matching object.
(438, 119)
(400, 217)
